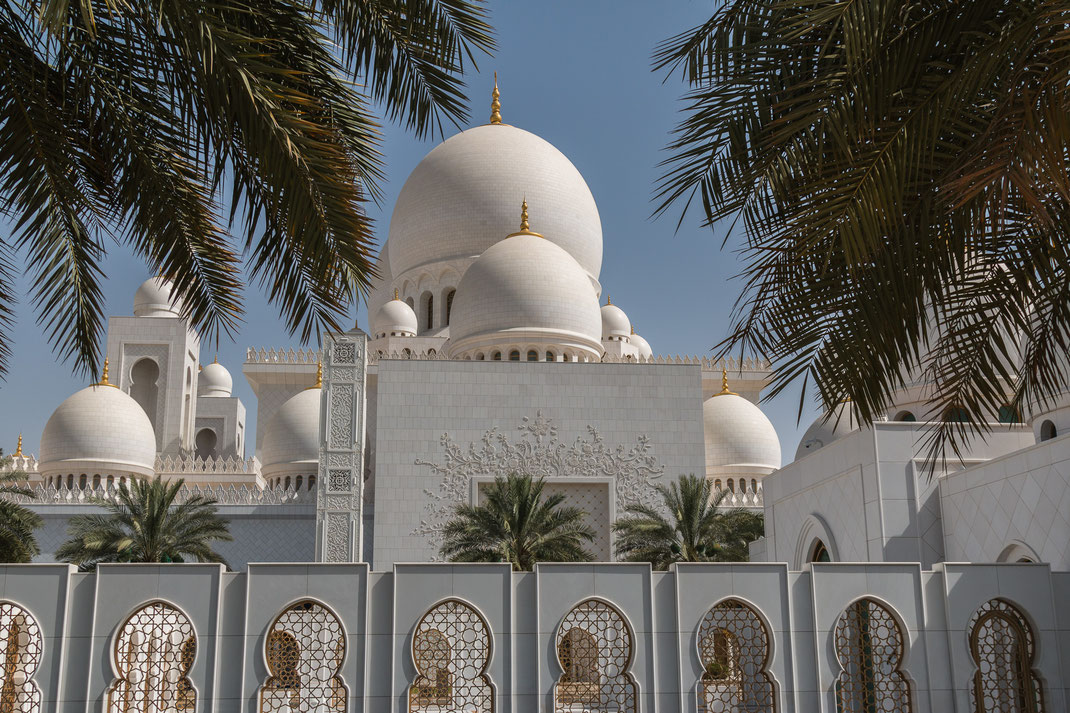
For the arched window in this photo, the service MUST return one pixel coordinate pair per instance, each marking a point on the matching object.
(144, 388)
(550, 356)
(154, 653)
(819, 553)
(304, 648)
(20, 642)
(70, 481)
(479, 357)
(1009, 414)
(754, 485)
(1003, 649)
(311, 482)
(869, 648)
(717, 484)
(733, 646)
(82, 481)
(514, 355)
(594, 649)
(287, 483)
(205, 442)
(411, 303)
(1048, 431)
(497, 356)
(451, 649)
(298, 482)
(429, 310)
(449, 305)
(906, 416)
(731, 485)
(533, 355)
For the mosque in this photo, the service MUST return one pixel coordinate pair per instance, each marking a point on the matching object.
(492, 349)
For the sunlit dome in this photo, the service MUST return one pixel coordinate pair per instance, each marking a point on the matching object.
(462, 198)
(394, 319)
(291, 439)
(738, 434)
(98, 430)
(641, 345)
(155, 298)
(615, 324)
(215, 381)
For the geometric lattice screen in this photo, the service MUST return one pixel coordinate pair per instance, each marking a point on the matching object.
(869, 647)
(451, 651)
(153, 654)
(1001, 644)
(20, 647)
(304, 649)
(594, 648)
(733, 646)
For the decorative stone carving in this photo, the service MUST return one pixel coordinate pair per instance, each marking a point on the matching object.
(341, 426)
(344, 354)
(539, 453)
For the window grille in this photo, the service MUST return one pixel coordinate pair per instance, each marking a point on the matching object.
(154, 653)
(869, 646)
(1002, 647)
(451, 650)
(20, 646)
(733, 646)
(304, 649)
(594, 648)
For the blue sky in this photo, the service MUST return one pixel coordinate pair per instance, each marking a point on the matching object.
(577, 74)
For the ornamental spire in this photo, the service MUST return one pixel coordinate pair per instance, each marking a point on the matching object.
(525, 227)
(104, 376)
(18, 448)
(495, 105)
(725, 391)
(609, 300)
(319, 376)
(396, 294)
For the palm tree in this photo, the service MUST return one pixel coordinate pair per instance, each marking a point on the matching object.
(145, 524)
(17, 523)
(899, 173)
(517, 524)
(695, 530)
(161, 125)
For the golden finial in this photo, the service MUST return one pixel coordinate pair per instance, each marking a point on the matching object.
(18, 448)
(104, 376)
(396, 294)
(495, 105)
(525, 227)
(724, 384)
(609, 300)
(215, 359)
(633, 329)
(319, 376)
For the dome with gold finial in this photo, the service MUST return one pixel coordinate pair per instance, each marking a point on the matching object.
(100, 430)
(215, 381)
(526, 294)
(615, 324)
(291, 439)
(461, 199)
(640, 344)
(738, 436)
(394, 319)
(156, 298)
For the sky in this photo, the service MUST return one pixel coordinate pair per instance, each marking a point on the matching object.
(577, 74)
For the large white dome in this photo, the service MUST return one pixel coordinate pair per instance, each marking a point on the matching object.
(737, 433)
(155, 298)
(215, 381)
(525, 290)
(462, 198)
(291, 439)
(827, 428)
(98, 430)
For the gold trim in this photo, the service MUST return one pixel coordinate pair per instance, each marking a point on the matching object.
(18, 449)
(104, 377)
(725, 391)
(495, 104)
(319, 377)
(525, 228)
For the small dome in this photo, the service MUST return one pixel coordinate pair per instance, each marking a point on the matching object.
(462, 198)
(737, 433)
(395, 318)
(825, 430)
(156, 298)
(292, 435)
(615, 324)
(525, 290)
(641, 344)
(98, 429)
(215, 381)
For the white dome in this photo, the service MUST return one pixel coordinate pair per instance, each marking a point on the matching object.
(525, 290)
(395, 317)
(292, 435)
(98, 430)
(641, 345)
(215, 381)
(737, 433)
(615, 324)
(156, 298)
(462, 198)
(825, 430)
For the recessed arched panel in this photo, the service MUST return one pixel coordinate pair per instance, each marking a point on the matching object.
(20, 649)
(304, 650)
(154, 652)
(1002, 645)
(451, 649)
(869, 648)
(595, 649)
(733, 646)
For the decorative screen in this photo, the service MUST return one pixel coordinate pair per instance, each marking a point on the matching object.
(451, 650)
(20, 647)
(869, 646)
(594, 648)
(733, 645)
(1001, 643)
(154, 653)
(304, 649)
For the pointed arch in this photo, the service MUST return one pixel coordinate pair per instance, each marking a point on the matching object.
(595, 648)
(154, 651)
(1002, 645)
(734, 648)
(20, 649)
(451, 650)
(304, 650)
(869, 646)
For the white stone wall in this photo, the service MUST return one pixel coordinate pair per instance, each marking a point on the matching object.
(419, 402)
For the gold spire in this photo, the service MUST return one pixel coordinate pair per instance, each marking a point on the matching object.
(215, 359)
(495, 105)
(396, 294)
(18, 448)
(724, 384)
(104, 376)
(525, 227)
(319, 376)
(609, 300)
(633, 329)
